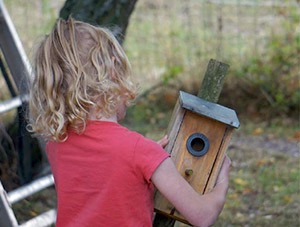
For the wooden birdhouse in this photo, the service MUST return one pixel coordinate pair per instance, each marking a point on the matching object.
(199, 134)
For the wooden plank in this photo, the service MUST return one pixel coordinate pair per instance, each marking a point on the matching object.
(213, 130)
(161, 219)
(174, 125)
(219, 160)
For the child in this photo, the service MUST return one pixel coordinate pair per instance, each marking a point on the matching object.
(104, 173)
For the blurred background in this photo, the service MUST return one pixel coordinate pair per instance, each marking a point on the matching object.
(173, 42)
(169, 44)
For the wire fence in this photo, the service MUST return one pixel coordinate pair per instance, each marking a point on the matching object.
(186, 34)
(177, 38)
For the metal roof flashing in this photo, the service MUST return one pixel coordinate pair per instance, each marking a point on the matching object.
(208, 109)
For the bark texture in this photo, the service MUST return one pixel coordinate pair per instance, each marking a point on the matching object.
(113, 14)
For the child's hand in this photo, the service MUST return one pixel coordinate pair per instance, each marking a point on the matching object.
(164, 141)
(224, 172)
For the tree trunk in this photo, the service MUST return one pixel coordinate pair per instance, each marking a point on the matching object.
(113, 14)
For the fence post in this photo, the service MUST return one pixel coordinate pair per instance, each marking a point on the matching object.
(210, 90)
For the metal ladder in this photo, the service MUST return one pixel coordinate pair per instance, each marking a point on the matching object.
(17, 63)
(7, 217)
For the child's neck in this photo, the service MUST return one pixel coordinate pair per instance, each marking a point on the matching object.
(111, 119)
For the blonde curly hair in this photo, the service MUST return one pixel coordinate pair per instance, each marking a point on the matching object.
(78, 67)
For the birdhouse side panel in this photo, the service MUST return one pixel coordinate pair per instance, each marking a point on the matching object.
(174, 125)
(162, 205)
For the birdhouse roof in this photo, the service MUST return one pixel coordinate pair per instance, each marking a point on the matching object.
(209, 109)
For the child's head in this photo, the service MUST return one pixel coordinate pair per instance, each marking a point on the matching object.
(78, 68)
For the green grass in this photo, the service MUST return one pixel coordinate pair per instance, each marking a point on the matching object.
(264, 191)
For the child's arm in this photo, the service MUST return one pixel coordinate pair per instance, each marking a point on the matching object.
(199, 210)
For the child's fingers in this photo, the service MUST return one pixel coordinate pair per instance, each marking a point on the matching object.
(224, 172)
(164, 141)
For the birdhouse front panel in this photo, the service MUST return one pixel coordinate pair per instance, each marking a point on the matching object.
(197, 134)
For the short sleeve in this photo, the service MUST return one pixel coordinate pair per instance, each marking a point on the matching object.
(148, 156)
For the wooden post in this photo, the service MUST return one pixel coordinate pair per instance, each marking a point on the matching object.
(210, 90)
(213, 81)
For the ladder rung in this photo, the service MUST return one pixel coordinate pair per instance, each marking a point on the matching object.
(29, 189)
(45, 219)
(12, 103)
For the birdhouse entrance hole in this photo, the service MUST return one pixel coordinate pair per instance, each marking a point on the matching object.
(197, 144)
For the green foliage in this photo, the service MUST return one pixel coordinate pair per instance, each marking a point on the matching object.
(275, 73)
(171, 72)
(150, 115)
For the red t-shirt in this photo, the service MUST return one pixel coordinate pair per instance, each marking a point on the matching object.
(102, 177)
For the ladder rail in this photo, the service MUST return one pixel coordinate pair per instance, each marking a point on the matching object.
(7, 216)
(13, 51)
(12, 87)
